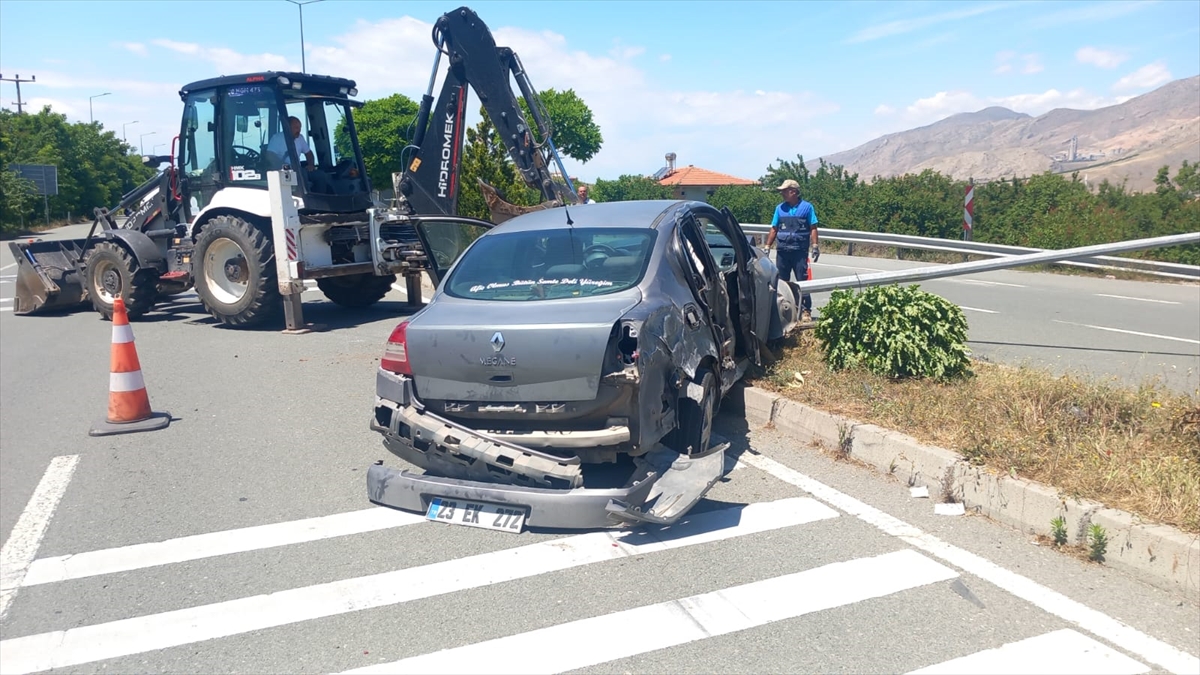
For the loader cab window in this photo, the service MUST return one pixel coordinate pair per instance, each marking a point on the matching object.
(198, 150)
(326, 128)
(250, 118)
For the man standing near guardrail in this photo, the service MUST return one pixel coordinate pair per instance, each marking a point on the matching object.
(794, 228)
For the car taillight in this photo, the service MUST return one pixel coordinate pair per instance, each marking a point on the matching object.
(395, 354)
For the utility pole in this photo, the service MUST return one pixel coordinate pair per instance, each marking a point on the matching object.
(142, 142)
(300, 5)
(124, 138)
(18, 80)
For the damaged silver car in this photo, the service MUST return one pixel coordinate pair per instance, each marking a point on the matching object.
(566, 344)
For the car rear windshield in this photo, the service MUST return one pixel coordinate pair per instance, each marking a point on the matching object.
(551, 264)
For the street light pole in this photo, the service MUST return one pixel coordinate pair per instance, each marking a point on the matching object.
(92, 120)
(300, 5)
(124, 138)
(141, 142)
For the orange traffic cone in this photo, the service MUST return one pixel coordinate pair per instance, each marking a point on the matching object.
(128, 402)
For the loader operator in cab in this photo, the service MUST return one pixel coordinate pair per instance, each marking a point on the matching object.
(277, 156)
(794, 228)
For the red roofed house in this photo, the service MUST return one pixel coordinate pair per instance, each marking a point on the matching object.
(692, 182)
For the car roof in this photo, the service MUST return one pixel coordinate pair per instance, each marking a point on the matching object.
(634, 215)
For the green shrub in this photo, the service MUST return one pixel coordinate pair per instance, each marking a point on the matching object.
(895, 331)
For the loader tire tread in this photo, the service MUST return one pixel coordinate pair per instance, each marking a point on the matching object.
(356, 291)
(139, 287)
(262, 301)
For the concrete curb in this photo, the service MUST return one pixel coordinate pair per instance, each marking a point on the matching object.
(1164, 556)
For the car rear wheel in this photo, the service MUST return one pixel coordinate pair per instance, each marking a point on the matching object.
(693, 431)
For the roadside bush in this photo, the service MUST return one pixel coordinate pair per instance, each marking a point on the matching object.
(894, 331)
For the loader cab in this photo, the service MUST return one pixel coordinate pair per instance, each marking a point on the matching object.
(235, 129)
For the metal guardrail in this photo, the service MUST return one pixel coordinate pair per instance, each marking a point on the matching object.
(1163, 269)
(1006, 262)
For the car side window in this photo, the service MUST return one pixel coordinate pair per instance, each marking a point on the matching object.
(697, 253)
(719, 244)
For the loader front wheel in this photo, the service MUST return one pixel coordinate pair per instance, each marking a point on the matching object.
(113, 272)
(355, 291)
(234, 272)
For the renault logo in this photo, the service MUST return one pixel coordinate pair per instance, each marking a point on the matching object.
(497, 341)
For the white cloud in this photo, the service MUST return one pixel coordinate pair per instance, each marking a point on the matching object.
(1100, 58)
(884, 109)
(227, 60)
(135, 47)
(1005, 63)
(941, 105)
(664, 57)
(640, 121)
(1080, 13)
(1146, 77)
(944, 104)
(902, 26)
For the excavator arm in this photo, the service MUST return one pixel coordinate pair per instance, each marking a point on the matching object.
(429, 184)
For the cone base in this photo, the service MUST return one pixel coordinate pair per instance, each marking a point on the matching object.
(155, 421)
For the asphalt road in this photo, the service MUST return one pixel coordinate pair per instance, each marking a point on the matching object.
(1129, 332)
(794, 562)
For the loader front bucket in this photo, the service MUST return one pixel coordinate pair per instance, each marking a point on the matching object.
(47, 275)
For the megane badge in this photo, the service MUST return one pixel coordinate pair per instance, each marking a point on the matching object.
(497, 342)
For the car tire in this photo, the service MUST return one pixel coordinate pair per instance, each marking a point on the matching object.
(112, 271)
(355, 291)
(234, 272)
(695, 419)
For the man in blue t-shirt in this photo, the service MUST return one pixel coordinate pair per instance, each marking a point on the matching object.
(794, 228)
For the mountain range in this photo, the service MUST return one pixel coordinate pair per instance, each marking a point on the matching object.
(1127, 142)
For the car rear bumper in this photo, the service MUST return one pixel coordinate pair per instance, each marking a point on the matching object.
(578, 508)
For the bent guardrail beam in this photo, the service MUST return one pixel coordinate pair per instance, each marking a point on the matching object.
(1164, 269)
(1007, 262)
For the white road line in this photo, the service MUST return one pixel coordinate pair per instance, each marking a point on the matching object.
(1126, 637)
(1130, 332)
(8, 266)
(211, 544)
(850, 267)
(85, 644)
(1126, 297)
(397, 287)
(26, 536)
(1061, 652)
(6, 309)
(981, 282)
(976, 309)
(6, 299)
(575, 645)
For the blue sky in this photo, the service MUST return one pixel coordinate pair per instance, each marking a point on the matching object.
(726, 86)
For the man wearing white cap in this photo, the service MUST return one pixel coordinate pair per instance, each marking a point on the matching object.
(794, 227)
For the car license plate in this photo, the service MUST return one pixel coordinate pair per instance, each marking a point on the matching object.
(476, 514)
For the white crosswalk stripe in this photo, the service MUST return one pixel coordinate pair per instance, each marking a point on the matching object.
(1063, 651)
(561, 646)
(574, 645)
(85, 644)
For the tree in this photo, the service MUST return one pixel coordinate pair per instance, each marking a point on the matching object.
(385, 128)
(747, 203)
(629, 188)
(94, 165)
(17, 198)
(574, 132)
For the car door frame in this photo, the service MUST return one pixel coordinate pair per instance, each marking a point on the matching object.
(439, 268)
(712, 278)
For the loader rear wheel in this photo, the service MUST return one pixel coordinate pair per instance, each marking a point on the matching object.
(234, 272)
(356, 290)
(113, 272)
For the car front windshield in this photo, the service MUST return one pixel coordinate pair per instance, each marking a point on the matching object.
(551, 264)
